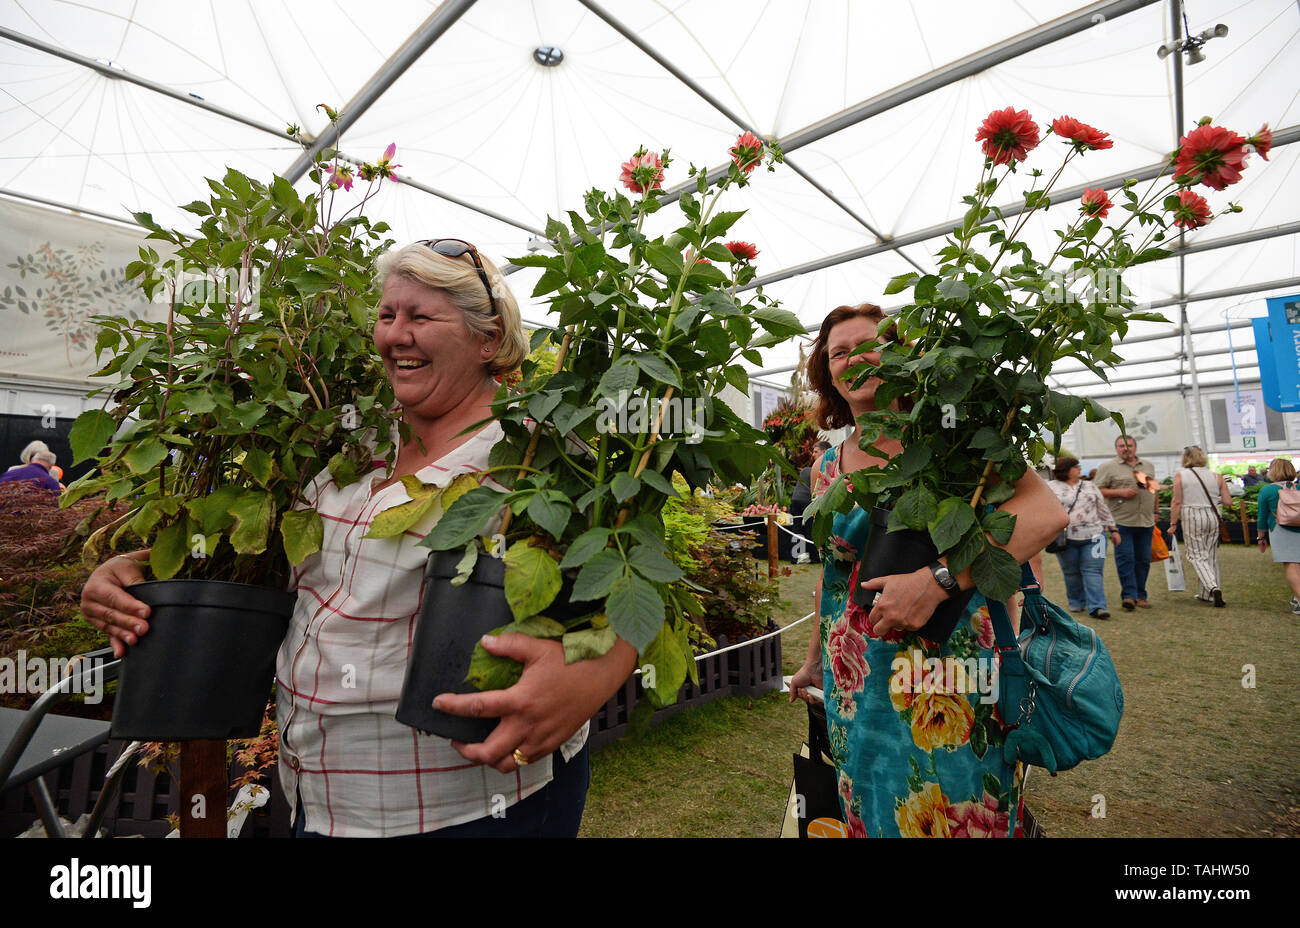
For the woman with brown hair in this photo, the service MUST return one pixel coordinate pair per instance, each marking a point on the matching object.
(1084, 557)
(914, 754)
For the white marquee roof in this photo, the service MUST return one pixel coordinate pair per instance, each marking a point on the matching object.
(476, 118)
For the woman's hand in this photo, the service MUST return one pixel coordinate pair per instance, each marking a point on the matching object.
(1116, 538)
(550, 702)
(107, 606)
(806, 676)
(905, 601)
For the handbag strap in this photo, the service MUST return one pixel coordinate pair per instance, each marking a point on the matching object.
(1077, 491)
(1013, 665)
(1218, 515)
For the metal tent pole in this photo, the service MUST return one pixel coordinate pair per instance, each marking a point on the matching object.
(1189, 348)
(429, 32)
(725, 110)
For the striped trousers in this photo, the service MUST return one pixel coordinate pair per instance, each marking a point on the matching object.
(1201, 544)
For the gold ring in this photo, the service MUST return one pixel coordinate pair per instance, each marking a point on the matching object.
(521, 759)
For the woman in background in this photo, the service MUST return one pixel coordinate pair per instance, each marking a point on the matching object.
(915, 758)
(1084, 558)
(1196, 507)
(1283, 539)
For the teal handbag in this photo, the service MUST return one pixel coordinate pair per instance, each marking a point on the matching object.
(1058, 686)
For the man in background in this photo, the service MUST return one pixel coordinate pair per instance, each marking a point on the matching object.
(1130, 489)
(37, 471)
(1252, 477)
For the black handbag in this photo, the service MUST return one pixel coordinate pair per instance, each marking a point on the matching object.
(816, 784)
(1061, 542)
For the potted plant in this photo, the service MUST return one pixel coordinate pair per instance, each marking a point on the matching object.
(653, 330)
(217, 420)
(980, 336)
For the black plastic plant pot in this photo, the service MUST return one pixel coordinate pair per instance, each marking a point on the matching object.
(903, 552)
(205, 668)
(452, 620)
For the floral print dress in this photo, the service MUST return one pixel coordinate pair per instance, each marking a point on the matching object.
(917, 749)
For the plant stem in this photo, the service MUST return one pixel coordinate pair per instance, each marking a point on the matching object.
(988, 467)
(536, 437)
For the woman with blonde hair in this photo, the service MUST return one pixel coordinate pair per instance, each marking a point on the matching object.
(445, 327)
(1283, 539)
(1196, 507)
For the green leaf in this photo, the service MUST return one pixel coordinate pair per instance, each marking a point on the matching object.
(721, 222)
(464, 519)
(665, 659)
(620, 378)
(971, 544)
(252, 511)
(954, 518)
(663, 259)
(588, 643)
(90, 433)
(532, 579)
(302, 532)
(952, 288)
(738, 378)
(625, 486)
(598, 575)
(780, 322)
(145, 456)
(635, 611)
(258, 463)
(657, 481)
(212, 512)
(585, 547)
(1000, 524)
(550, 511)
(654, 565)
(658, 368)
(996, 574)
(197, 401)
(915, 509)
(490, 672)
(167, 553)
(901, 282)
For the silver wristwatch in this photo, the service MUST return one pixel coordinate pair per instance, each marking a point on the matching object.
(944, 578)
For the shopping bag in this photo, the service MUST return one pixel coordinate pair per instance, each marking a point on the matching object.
(1174, 567)
(1159, 550)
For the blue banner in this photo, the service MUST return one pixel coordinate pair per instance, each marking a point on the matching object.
(1279, 368)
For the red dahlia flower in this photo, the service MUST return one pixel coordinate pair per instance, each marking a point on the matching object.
(644, 171)
(1081, 134)
(742, 251)
(1094, 202)
(1192, 211)
(747, 152)
(1262, 141)
(1211, 155)
(1008, 134)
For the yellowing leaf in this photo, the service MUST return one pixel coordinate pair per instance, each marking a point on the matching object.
(392, 522)
(532, 579)
(458, 488)
(302, 532)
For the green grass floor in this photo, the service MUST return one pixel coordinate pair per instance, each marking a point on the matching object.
(1198, 753)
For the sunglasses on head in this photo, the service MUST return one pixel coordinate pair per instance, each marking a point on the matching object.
(455, 248)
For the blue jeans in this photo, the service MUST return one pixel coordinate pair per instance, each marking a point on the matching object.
(1082, 563)
(1133, 560)
(554, 811)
